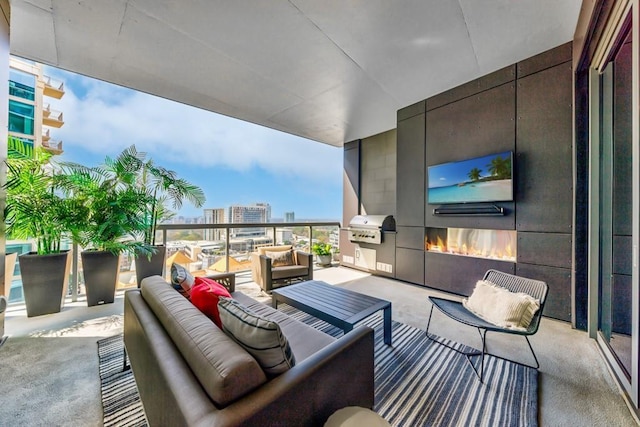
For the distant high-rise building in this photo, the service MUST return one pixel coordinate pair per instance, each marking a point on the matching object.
(214, 216)
(256, 213)
(30, 114)
(289, 217)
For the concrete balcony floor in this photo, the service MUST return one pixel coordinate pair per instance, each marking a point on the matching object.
(49, 364)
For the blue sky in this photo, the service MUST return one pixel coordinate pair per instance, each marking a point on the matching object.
(234, 162)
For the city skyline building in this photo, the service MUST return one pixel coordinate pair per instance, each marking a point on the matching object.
(235, 214)
(255, 213)
(289, 217)
(214, 216)
(30, 114)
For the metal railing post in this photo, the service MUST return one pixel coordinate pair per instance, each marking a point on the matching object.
(74, 273)
(227, 248)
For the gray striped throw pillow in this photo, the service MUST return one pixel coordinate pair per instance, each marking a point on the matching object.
(260, 337)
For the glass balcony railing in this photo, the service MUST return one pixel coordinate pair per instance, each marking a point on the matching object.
(53, 88)
(52, 117)
(202, 248)
(52, 145)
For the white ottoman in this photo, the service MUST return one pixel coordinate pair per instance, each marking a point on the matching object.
(355, 416)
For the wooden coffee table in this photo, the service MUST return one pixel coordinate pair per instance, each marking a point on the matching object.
(335, 305)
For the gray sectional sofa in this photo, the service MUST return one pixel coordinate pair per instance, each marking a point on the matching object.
(190, 373)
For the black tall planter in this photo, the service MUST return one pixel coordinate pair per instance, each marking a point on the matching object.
(146, 267)
(44, 282)
(101, 270)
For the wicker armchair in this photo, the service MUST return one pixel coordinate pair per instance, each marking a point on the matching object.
(456, 311)
(269, 277)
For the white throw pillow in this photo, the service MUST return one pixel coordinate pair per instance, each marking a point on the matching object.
(260, 337)
(502, 307)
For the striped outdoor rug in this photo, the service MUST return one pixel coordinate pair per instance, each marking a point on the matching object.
(120, 400)
(417, 383)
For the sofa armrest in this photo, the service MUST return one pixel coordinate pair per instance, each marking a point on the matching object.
(265, 273)
(339, 375)
(228, 280)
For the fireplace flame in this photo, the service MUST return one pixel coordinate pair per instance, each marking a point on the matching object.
(493, 244)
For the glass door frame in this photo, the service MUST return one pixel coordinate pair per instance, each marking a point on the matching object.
(624, 16)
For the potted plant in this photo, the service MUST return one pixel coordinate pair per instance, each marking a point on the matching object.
(39, 206)
(114, 224)
(323, 253)
(165, 192)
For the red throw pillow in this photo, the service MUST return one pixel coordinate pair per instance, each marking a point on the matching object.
(204, 295)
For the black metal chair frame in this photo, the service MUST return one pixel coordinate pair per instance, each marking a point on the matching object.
(456, 311)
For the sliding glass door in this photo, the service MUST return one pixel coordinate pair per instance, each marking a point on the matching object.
(615, 207)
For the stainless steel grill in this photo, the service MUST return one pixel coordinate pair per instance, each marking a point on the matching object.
(369, 228)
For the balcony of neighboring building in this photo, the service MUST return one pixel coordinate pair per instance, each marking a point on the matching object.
(52, 117)
(53, 146)
(53, 88)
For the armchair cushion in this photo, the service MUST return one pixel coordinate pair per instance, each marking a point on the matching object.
(289, 271)
(280, 258)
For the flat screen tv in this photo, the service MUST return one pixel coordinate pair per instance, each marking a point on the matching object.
(481, 179)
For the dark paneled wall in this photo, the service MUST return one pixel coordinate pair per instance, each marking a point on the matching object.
(350, 192)
(410, 194)
(480, 124)
(525, 108)
(378, 174)
(370, 189)
(544, 195)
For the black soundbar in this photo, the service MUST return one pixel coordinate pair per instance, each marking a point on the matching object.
(462, 210)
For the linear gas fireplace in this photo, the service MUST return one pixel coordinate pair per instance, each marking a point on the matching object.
(490, 244)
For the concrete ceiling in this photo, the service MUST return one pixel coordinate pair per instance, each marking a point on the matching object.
(329, 70)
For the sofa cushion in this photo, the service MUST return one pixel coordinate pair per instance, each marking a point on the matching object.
(280, 258)
(204, 295)
(223, 368)
(258, 335)
(500, 306)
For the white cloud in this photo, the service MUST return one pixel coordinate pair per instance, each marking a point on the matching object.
(105, 118)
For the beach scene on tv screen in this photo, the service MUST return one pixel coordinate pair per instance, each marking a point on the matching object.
(483, 179)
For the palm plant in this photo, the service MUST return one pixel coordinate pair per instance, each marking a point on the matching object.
(164, 190)
(41, 205)
(39, 199)
(115, 218)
